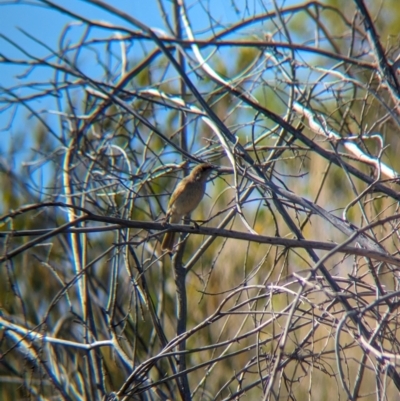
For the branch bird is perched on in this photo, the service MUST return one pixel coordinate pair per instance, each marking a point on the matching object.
(186, 197)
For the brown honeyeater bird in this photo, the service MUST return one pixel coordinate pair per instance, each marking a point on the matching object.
(185, 198)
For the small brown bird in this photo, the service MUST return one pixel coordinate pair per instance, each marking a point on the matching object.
(186, 197)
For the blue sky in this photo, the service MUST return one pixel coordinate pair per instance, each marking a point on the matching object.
(46, 25)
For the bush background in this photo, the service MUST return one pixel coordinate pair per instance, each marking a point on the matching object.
(297, 106)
